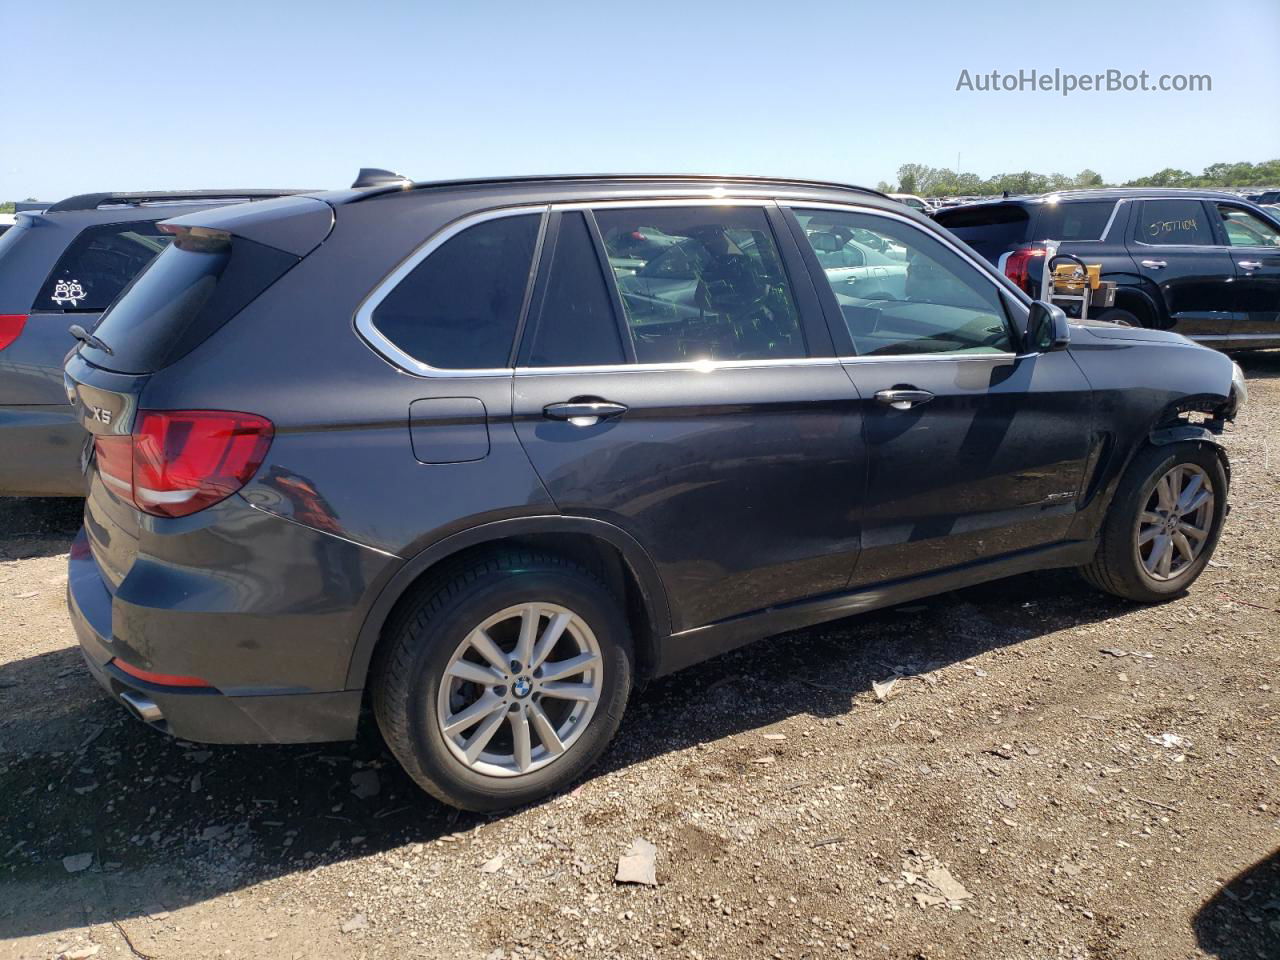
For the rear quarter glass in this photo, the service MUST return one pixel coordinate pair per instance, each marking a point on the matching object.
(181, 299)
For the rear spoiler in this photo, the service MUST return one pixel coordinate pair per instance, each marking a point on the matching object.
(296, 225)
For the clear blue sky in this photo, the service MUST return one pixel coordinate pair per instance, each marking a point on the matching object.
(134, 95)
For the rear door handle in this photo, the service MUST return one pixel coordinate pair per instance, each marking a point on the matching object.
(1251, 264)
(1155, 264)
(583, 413)
(903, 398)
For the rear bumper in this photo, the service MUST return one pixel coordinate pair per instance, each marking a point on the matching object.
(40, 449)
(203, 714)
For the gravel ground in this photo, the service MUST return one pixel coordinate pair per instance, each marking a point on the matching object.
(1024, 791)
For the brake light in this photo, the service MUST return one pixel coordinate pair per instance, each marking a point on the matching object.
(178, 462)
(11, 325)
(1017, 267)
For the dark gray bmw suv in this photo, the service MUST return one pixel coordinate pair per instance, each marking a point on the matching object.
(490, 453)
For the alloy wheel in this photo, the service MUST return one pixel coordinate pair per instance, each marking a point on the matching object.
(520, 689)
(1176, 522)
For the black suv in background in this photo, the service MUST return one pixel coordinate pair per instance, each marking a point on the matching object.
(1200, 263)
(492, 452)
(63, 265)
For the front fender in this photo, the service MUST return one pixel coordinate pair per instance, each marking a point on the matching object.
(1194, 432)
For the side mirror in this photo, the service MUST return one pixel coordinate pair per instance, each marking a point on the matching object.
(1047, 328)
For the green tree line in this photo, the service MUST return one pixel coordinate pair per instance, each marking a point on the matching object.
(929, 181)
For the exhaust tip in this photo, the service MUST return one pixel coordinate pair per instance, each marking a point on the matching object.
(142, 707)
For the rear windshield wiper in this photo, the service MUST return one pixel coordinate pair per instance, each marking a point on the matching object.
(87, 338)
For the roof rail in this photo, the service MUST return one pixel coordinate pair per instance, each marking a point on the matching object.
(633, 177)
(92, 201)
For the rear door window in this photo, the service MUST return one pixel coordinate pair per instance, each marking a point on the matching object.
(98, 264)
(458, 309)
(701, 283)
(576, 325)
(1074, 220)
(1174, 222)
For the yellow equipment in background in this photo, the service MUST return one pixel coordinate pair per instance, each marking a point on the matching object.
(1075, 286)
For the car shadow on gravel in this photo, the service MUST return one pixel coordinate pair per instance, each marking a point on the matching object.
(119, 822)
(37, 527)
(1259, 364)
(1242, 920)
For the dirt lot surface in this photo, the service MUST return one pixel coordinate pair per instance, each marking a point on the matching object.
(1059, 774)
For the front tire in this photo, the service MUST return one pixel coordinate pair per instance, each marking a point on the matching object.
(1163, 524)
(504, 680)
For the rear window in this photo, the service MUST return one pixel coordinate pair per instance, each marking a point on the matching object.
(182, 298)
(990, 229)
(458, 308)
(1083, 220)
(98, 264)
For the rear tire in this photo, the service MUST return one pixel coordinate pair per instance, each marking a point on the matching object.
(1142, 529)
(436, 670)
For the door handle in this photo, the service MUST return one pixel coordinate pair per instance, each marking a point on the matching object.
(903, 398)
(1155, 264)
(1251, 264)
(583, 413)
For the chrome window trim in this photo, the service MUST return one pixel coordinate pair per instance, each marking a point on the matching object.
(388, 350)
(1111, 220)
(381, 345)
(689, 366)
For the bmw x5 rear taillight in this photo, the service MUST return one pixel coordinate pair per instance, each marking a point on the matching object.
(177, 462)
